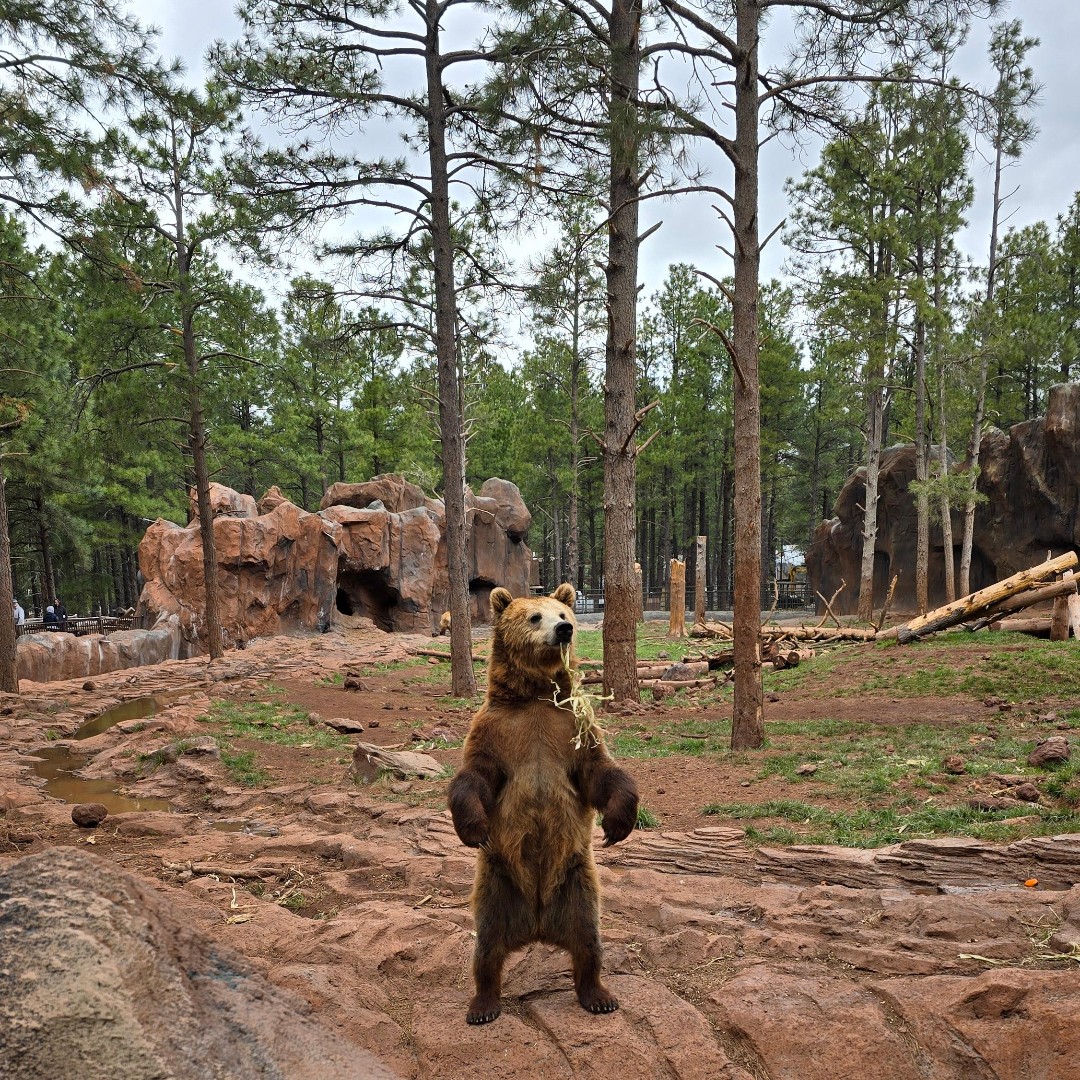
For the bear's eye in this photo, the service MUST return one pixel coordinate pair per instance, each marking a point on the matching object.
(535, 618)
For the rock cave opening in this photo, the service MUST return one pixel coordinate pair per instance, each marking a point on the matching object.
(365, 592)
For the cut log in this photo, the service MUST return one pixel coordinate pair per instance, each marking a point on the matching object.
(977, 602)
(1059, 620)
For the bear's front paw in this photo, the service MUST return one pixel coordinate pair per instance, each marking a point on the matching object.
(473, 832)
(619, 821)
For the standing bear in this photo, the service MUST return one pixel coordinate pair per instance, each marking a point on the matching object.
(526, 796)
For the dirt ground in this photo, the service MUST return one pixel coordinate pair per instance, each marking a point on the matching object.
(355, 897)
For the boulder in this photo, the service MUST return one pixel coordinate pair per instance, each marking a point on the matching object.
(100, 979)
(1030, 478)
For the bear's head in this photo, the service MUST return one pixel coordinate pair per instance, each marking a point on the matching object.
(529, 635)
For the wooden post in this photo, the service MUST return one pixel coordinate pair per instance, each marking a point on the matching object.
(677, 620)
(699, 582)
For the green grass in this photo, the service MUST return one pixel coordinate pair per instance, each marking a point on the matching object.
(880, 826)
(646, 819)
(1014, 668)
(285, 725)
(242, 768)
(263, 721)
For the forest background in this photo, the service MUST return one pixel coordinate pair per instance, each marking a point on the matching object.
(174, 215)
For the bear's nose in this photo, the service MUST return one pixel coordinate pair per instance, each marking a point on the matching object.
(564, 631)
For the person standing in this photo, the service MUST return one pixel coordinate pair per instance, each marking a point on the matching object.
(20, 615)
(51, 620)
(61, 613)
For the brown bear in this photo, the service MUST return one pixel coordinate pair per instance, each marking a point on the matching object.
(444, 623)
(526, 796)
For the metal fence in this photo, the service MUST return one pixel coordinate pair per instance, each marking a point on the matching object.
(785, 595)
(80, 626)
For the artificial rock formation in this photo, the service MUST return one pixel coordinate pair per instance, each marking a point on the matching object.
(376, 549)
(1030, 477)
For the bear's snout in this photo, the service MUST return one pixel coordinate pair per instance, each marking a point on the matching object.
(564, 632)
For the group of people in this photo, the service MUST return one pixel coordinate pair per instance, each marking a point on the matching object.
(55, 617)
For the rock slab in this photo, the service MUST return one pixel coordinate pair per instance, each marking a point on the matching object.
(99, 980)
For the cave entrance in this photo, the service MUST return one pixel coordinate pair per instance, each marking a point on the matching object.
(364, 592)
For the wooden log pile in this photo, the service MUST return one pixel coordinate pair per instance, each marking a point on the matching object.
(985, 606)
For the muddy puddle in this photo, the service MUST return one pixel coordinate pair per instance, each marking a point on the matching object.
(58, 765)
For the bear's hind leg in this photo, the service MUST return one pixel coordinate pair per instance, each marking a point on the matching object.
(504, 922)
(572, 920)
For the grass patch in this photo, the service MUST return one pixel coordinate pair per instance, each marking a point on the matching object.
(240, 765)
(285, 725)
(787, 821)
(1013, 668)
(646, 819)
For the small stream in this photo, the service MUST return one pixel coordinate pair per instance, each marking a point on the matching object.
(57, 765)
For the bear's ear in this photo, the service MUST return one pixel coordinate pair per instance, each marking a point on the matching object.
(565, 594)
(500, 598)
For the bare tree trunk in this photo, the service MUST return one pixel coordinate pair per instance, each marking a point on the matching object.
(975, 445)
(922, 499)
(620, 420)
(9, 664)
(874, 423)
(48, 577)
(451, 423)
(748, 719)
(945, 508)
(700, 581)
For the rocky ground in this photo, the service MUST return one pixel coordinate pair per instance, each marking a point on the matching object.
(342, 908)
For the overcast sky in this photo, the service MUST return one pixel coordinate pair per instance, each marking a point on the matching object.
(1046, 178)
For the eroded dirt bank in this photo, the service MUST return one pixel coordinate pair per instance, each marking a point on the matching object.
(352, 901)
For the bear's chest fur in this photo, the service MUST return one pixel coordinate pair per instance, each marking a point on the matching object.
(540, 819)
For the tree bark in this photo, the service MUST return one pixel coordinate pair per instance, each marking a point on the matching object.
(48, 577)
(700, 581)
(451, 425)
(9, 664)
(620, 451)
(748, 720)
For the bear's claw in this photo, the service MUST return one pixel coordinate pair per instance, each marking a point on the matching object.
(483, 1012)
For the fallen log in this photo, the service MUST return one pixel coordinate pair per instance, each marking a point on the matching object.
(1035, 627)
(441, 655)
(681, 684)
(977, 602)
(1029, 598)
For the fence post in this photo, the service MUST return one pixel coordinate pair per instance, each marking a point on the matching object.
(639, 589)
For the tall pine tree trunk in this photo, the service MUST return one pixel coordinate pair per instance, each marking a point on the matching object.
(451, 422)
(9, 665)
(748, 720)
(620, 422)
(48, 577)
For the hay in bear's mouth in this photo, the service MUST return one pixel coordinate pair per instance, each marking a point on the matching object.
(580, 702)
